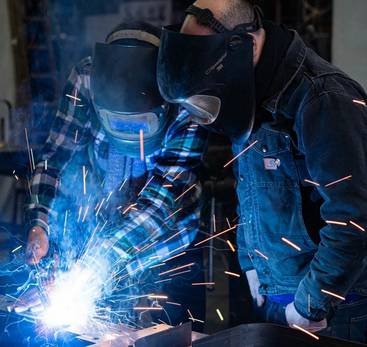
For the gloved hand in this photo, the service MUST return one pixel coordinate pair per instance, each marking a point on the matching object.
(254, 284)
(37, 246)
(293, 317)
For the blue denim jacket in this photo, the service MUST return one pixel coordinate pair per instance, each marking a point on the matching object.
(316, 131)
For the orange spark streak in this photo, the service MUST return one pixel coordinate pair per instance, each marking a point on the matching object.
(167, 185)
(338, 181)
(176, 256)
(357, 226)
(333, 294)
(231, 246)
(261, 254)
(163, 297)
(361, 102)
(336, 222)
(232, 274)
(241, 153)
(147, 308)
(141, 134)
(150, 180)
(312, 182)
(305, 331)
(203, 284)
(291, 244)
(178, 233)
(128, 208)
(216, 235)
(180, 273)
(185, 192)
(172, 214)
(176, 269)
(177, 176)
(173, 303)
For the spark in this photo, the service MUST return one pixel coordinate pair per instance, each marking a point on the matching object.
(147, 308)
(172, 214)
(32, 156)
(146, 185)
(338, 181)
(241, 153)
(141, 134)
(185, 192)
(167, 185)
(305, 331)
(360, 102)
(333, 294)
(335, 222)
(219, 314)
(177, 176)
(16, 177)
(261, 254)
(173, 303)
(122, 185)
(80, 213)
(203, 284)
(16, 249)
(229, 224)
(196, 320)
(29, 149)
(357, 226)
(180, 273)
(158, 265)
(76, 135)
(231, 246)
(46, 165)
(109, 196)
(232, 274)
(173, 236)
(312, 182)
(176, 269)
(163, 297)
(99, 207)
(85, 213)
(74, 97)
(176, 256)
(291, 244)
(216, 235)
(165, 280)
(84, 181)
(309, 303)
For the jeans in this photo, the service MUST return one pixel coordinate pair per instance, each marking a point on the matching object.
(347, 321)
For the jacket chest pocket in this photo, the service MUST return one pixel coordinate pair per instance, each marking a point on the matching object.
(271, 160)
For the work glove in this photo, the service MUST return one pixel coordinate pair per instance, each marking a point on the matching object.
(37, 245)
(293, 317)
(254, 284)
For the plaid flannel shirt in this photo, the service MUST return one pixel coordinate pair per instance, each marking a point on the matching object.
(166, 216)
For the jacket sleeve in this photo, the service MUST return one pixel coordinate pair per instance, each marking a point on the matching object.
(165, 218)
(68, 135)
(333, 134)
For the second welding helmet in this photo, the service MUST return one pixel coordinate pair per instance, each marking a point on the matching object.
(124, 88)
(212, 76)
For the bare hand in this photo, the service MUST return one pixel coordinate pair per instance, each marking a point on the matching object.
(37, 246)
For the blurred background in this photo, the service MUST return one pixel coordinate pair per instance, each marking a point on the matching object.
(41, 40)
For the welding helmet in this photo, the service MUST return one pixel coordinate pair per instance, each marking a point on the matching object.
(124, 88)
(211, 76)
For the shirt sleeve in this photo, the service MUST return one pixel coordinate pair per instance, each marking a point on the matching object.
(165, 218)
(333, 133)
(68, 135)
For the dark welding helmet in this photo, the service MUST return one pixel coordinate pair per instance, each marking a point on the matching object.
(124, 88)
(211, 76)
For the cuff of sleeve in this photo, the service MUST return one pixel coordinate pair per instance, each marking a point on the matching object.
(308, 305)
(245, 262)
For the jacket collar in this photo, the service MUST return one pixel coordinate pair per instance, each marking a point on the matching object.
(293, 63)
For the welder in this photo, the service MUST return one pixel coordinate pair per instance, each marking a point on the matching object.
(298, 128)
(116, 159)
